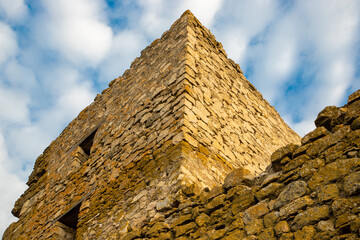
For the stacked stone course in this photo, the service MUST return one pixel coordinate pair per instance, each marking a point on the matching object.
(310, 191)
(150, 158)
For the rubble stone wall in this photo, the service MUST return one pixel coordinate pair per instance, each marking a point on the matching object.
(310, 191)
(177, 122)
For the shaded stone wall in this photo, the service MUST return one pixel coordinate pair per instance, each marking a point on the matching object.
(310, 191)
(178, 121)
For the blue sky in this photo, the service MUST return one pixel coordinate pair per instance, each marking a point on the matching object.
(55, 56)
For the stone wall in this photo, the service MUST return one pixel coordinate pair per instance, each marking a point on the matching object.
(310, 191)
(177, 122)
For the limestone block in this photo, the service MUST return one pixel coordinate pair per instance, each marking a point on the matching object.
(281, 153)
(314, 135)
(243, 199)
(333, 171)
(328, 192)
(270, 191)
(271, 219)
(354, 97)
(202, 219)
(324, 226)
(295, 206)
(352, 184)
(311, 216)
(268, 233)
(184, 229)
(237, 234)
(254, 227)
(296, 162)
(344, 220)
(310, 167)
(324, 143)
(306, 233)
(352, 111)
(328, 117)
(291, 192)
(236, 177)
(255, 212)
(345, 205)
(157, 228)
(282, 227)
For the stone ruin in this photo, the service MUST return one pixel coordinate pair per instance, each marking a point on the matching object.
(182, 146)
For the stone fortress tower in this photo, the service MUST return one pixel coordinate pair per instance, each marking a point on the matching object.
(145, 154)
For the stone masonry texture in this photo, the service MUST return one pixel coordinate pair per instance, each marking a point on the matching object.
(182, 146)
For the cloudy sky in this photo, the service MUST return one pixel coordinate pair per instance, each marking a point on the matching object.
(55, 56)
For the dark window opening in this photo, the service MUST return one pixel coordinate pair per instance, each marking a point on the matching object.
(87, 143)
(71, 217)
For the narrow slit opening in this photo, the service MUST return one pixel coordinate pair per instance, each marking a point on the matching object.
(87, 143)
(71, 217)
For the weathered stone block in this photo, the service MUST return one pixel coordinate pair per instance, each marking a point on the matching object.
(320, 145)
(292, 191)
(281, 153)
(235, 235)
(202, 219)
(314, 135)
(344, 205)
(282, 227)
(163, 205)
(183, 219)
(355, 124)
(333, 171)
(271, 219)
(296, 162)
(185, 229)
(287, 236)
(310, 167)
(344, 220)
(324, 226)
(157, 228)
(310, 216)
(268, 233)
(216, 202)
(352, 112)
(328, 192)
(242, 201)
(255, 212)
(327, 117)
(214, 192)
(295, 206)
(352, 184)
(306, 233)
(235, 177)
(270, 191)
(254, 227)
(217, 234)
(355, 96)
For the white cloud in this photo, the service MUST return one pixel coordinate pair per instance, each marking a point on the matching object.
(8, 43)
(45, 83)
(205, 15)
(275, 41)
(11, 188)
(304, 127)
(20, 76)
(29, 140)
(241, 21)
(126, 46)
(330, 30)
(158, 15)
(275, 58)
(13, 106)
(77, 29)
(13, 10)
